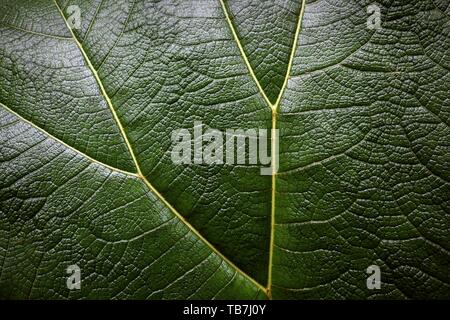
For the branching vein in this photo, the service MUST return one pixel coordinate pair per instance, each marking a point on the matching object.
(136, 163)
(274, 109)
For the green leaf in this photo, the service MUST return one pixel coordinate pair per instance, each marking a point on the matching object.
(86, 119)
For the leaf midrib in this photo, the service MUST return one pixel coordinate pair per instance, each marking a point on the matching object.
(274, 108)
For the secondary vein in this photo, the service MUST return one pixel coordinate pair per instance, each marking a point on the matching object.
(51, 136)
(243, 54)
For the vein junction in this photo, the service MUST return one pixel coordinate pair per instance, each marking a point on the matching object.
(139, 173)
(274, 108)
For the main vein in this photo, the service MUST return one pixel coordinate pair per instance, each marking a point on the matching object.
(274, 108)
(136, 163)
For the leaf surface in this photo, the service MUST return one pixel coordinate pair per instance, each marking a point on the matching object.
(86, 119)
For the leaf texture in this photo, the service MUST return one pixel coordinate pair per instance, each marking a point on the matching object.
(86, 117)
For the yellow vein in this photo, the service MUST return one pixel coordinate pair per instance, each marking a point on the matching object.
(272, 206)
(291, 58)
(4, 25)
(243, 54)
(194, 231)
(139, 172)
(102, 88)
(274, 126)
(65, 144)
(274, 108)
